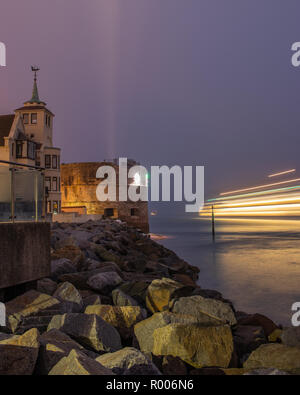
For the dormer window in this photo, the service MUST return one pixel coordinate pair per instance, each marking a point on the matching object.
(34, 118)
(26, 119)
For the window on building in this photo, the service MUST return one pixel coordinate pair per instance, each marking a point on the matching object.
(54, 184)
(26, 119)
(134, 212)
(54, 162)
(48, 183)
(48, 161)
(31, 150)
(47, 120)
(34, 118)
(58, 162)
(55, 206)
(12, 149)
(109, 212)
(59, 184)
(49, 206)
(19, 149)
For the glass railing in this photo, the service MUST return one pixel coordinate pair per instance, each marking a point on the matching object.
(21, 192)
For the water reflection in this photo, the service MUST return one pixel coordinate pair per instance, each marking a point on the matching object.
(254, 262)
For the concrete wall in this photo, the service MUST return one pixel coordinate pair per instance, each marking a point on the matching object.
(75, 218)
(24, 252)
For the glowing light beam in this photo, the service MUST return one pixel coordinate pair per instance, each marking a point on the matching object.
(260, 186)
(282, 173)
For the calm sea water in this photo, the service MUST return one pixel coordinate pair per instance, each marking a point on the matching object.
(255, 262)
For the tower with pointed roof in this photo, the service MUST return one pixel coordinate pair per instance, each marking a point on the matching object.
(37, 118)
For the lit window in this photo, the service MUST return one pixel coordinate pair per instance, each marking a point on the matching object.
(55, 206)
(34, 118)
(49, 206)
(26, 119)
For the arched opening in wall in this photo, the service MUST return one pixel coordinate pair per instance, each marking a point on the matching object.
(134, 212)
(109, 212)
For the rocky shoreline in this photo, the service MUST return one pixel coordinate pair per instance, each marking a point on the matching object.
(117, 302)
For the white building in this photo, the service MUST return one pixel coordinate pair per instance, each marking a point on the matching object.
(26, 137)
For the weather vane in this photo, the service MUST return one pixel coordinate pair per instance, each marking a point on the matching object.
(35, 69)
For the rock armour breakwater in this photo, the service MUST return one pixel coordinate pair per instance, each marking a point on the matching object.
(119, 303)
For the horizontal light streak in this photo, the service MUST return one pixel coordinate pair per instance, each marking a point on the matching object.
(257, 214)
(255, 193)
(260, 187)
(282, 173)
(259, 202)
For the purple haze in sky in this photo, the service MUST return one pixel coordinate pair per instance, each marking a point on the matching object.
(189, 82)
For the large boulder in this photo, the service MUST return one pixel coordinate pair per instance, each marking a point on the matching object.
(46, 286)
(104, 254)
(259, 320)
(248, 338)
(120, 298)
(276, 356)
(196, 345)
(128, 361)
(91, 300)
(89, 330)
(104, 282)
(18, 354)
(161, 291)
(144, 330)
(291, 336)
(68, 294)
(80, 280)
(137, 289)
(173, 366)
(30, 304)
(73, 253)
(54, 345)
(66, 242)
(61, 266)
(121, 317)
(207, 311)
(78, 364)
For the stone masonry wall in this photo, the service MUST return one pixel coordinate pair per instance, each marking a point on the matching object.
(78, 187)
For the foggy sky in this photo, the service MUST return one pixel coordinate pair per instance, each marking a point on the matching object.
(188, 82)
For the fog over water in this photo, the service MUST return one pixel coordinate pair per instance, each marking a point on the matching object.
(253, 262)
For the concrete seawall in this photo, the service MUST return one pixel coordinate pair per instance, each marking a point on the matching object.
(24, 252)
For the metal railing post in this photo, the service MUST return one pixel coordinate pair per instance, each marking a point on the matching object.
(12, 194)
(36, 195)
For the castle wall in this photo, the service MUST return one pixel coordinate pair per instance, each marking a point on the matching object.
(78, 187)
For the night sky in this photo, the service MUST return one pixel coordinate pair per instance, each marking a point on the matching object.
(187, 82)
